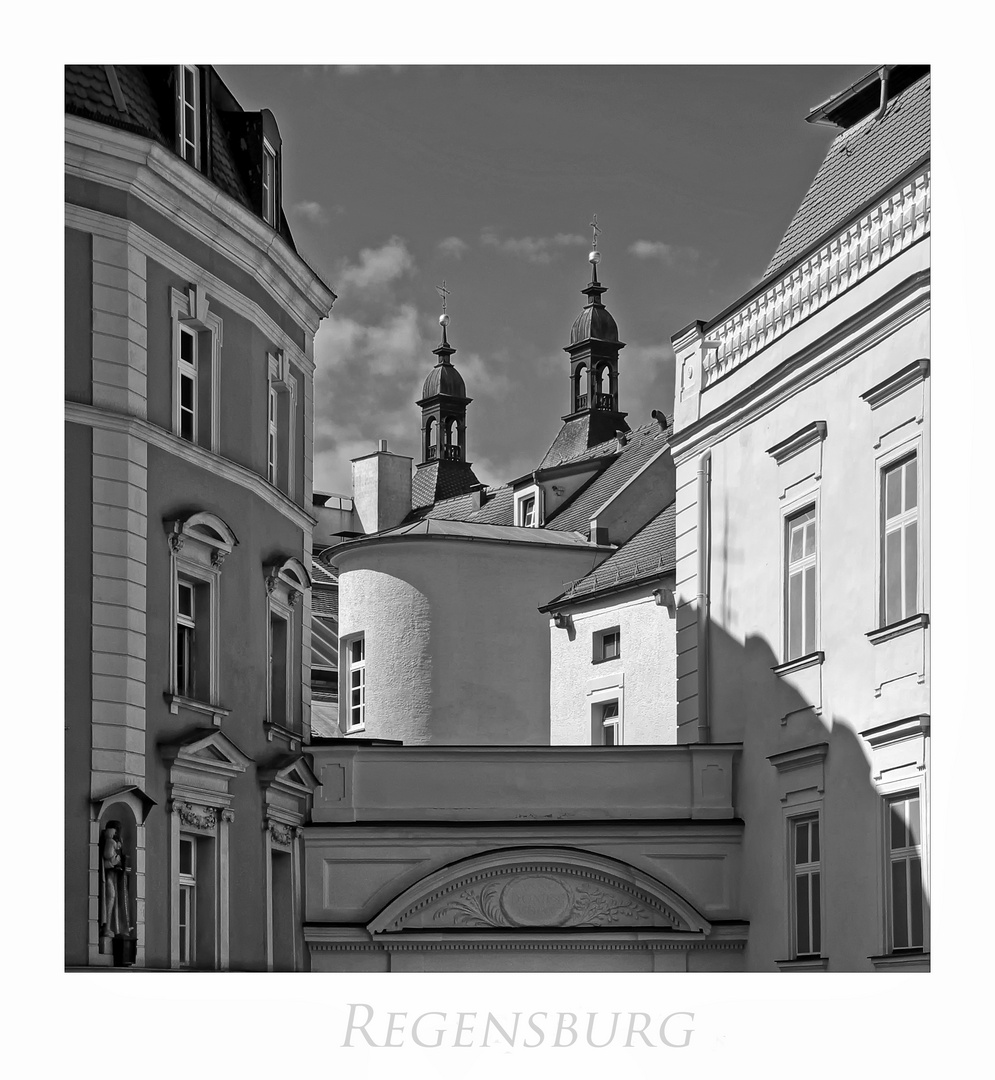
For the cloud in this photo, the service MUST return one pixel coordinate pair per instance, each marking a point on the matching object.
(312, 212)
(454, 247)
(670, 254)
(377, 267)
(540, 249)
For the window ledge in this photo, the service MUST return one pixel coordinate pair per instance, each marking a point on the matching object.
(913, 960)
(806, 963)
(360, 730)
(606, 659)
(177, 702)
(294, 739)
(894, 630)
(813, 659)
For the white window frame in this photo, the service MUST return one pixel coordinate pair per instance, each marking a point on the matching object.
(351, 667)
(604, 693)
(905, 855)
(286, 583)
(611, 720)
(277, 609)
(184, 106)
(281, 424)
(269, 185)
(190, 313)
(186, 653)
(186, 370)
(523, 517)
(896, 456)
(790, 514)
(600, 637)
(816, 896)
(187, 945)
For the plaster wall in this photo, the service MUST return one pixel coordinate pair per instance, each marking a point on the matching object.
(643, 679)
(381, 490)
(859, 684)
(456, 650)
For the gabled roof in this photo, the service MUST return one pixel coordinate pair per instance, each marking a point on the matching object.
(650, 553)
(641, 445)
(862, 163)
(498, 507)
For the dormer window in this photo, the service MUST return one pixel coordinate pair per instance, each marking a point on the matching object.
(188, 114)
(269, 184)
(528, 509)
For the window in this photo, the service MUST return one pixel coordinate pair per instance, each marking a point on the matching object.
(273, 435)
(191, 676)
(186, 375)
(269, 184)
(900, 541)
(196, 368)
(356, 653)
(610, 726)
(187, 927)
(905, 891)
(806, 896)
(607, 645)
(279, 666)
(188, 109)
(800, 572)
(431, 439)
(528, 508)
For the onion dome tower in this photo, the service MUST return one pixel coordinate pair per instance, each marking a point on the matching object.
(443, 470)
(594, 415)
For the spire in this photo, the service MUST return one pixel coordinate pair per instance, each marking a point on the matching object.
(445, 350)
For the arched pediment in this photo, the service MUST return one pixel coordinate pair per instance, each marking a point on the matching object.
(205, 527)
(539, 888)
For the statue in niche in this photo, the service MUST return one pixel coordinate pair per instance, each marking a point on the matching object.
(114, 905)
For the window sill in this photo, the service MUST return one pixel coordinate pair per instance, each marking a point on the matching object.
(913, 960)
(894, 630)
(293, 739)
(359, 730)
(805, 963)
(813, 659)
(177, 702)
(606, 659)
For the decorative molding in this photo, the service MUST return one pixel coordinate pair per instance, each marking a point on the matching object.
(808, 963)
(810, 435)
(807, 763)
(217, 713)
(100, 420)
(280, 833)
(813, 659)
(895, 224)
(203, 818)
(138, 165)
(293, 739)
(902, 380)
(894, 630)
(908, 961)
(895, 731)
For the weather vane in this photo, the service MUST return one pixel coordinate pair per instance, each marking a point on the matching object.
(595, 256)
(597, 229)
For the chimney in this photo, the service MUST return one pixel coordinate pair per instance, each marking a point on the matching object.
(599, 534)
(477, 493)
(381, 489)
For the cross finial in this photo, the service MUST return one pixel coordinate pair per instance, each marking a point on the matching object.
(597, 230)
(443, 294)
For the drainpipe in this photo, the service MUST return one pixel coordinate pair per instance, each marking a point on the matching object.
(704, 586)
(884, 94)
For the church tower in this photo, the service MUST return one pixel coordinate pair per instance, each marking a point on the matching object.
(594, 415)
(443, 470)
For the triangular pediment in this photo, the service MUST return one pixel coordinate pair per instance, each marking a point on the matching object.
(539, 888)
(209, 750)
(290, 774)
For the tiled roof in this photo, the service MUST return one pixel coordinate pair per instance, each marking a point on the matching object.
(652, 551)
(573, 441)
(322, 574)
(863, 162)
(324, 719)
(498, 508)
(441, 480)
(324, 601)
(640, 447)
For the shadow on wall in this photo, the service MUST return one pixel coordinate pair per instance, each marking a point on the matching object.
(830, 865)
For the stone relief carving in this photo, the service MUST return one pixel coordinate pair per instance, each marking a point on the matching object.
(281, 834)
(217, 557)
(190, 816)
(544, 899)
(176, 541)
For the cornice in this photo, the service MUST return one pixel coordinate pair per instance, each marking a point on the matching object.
(116, 228)
(813, 659)
(801, 440)
(910, 727)
(141, 166)
(808, 963)
(800, 758)
(894, 630)
(844, 341)
(894, 385)
(89, 416)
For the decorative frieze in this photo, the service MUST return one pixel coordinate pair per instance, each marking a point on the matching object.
(202, 818)
(884, 232)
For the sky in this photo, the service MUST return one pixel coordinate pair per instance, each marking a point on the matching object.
(397, 178)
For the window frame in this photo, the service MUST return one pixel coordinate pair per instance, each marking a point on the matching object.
(358, 668)
(281, 426)
(190, 314)
(905, 854)
(187, 932)
(899, 458)
(598, 641)
(194, 108)
(611, 722)
(816, 896)
(269, 189)
(526, 499)
(790, 515)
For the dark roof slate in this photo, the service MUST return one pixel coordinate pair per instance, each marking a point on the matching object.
(498, 508)
(651, 552)
(862, 163)
(573, 440)
(440, 480)
(640, 447)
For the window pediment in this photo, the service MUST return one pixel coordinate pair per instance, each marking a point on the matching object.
(288, 577)
(539, 888)
(205, 529)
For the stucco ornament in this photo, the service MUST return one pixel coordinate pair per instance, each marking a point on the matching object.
(534, 900)
(190, 817)
(281, 834)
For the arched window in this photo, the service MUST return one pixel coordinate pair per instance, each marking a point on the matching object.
(580, 397)
(431, 439)
(603, 395)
